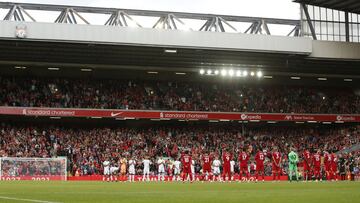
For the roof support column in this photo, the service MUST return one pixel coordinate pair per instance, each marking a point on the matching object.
(308, 19)
(347, 27)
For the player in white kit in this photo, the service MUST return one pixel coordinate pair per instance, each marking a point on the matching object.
(232, 170)
(216, 168)
(132, 164)
(146, 171)
(192, 167)
(106, 165)
(161, 169)
(113, 172)
(177, 170)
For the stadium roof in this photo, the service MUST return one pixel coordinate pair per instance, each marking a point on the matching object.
(352, 6)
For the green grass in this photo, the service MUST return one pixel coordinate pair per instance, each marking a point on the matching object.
(178, 192)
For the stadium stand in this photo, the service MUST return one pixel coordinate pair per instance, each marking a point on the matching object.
(87, 148)
(166, 95)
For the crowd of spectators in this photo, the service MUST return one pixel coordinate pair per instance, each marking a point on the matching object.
(189, 96)
(87, 148)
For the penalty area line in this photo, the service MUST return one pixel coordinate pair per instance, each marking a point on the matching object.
(26, 200)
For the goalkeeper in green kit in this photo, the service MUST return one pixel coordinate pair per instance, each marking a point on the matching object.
(293, 160)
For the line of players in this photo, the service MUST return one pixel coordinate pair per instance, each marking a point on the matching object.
(184, 169)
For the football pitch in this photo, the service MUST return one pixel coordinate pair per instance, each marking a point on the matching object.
(51, 192)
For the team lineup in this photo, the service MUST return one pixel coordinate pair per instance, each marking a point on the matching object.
(316, 166)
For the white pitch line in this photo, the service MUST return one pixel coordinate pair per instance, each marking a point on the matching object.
(26, 200)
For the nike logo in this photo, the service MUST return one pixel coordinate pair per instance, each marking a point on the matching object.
(115, 114)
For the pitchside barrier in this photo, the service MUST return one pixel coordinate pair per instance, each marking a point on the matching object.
(36, 169)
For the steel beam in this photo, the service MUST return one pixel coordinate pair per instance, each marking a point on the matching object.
(312, 29)
(83, 9)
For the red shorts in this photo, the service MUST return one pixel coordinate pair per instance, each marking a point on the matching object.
(306, 167)
(317, 169)
(275, 168)
(226, 169)
(243, 167)
(206, 170)
(327, 168)
(260, 167)
(186, 169)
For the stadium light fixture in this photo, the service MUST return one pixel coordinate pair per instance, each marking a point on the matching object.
(326, 123)
(180, 73)
(322, 79)
(238, 73)
(312, 121)
(216, 72)
(223, 72)
(213, 121)
(271, 122)
(252, 73)
(209, 72)
(231, 72)
(170, 51)
(152, 72)
(323, 98)
(55, 117)
(339, 122)
(54, 69)
(295, 78)
(299, 122)
(245, 73)
(224, 120)
(20, 67)
(348, 80)
(96, 117)
(259, 74)
(86, 69)
(202, 71)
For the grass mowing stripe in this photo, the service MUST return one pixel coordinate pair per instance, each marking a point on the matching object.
(25, 200)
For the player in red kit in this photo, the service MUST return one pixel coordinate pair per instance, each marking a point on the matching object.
(334, 162)
(186, 161)
(316, 162)
(243, 161)
(327, 163)
(276, 163)
(260, 158)
(206, 161)
(306, 164)
(227, 157)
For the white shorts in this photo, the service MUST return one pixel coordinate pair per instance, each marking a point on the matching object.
(161, 169)
(114, 169)
(146, 171)
(192, 169)
(177, 171)
(132, 170)
(216, 170)
(107, 170)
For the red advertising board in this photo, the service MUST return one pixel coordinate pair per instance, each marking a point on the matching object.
(176, 115)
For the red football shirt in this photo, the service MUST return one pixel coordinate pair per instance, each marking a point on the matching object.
(227, 157)
(317, 160)
(206, 161)
(259, 158)
(243, 158)
(307, 157)
(186, 161)
(276, 156)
